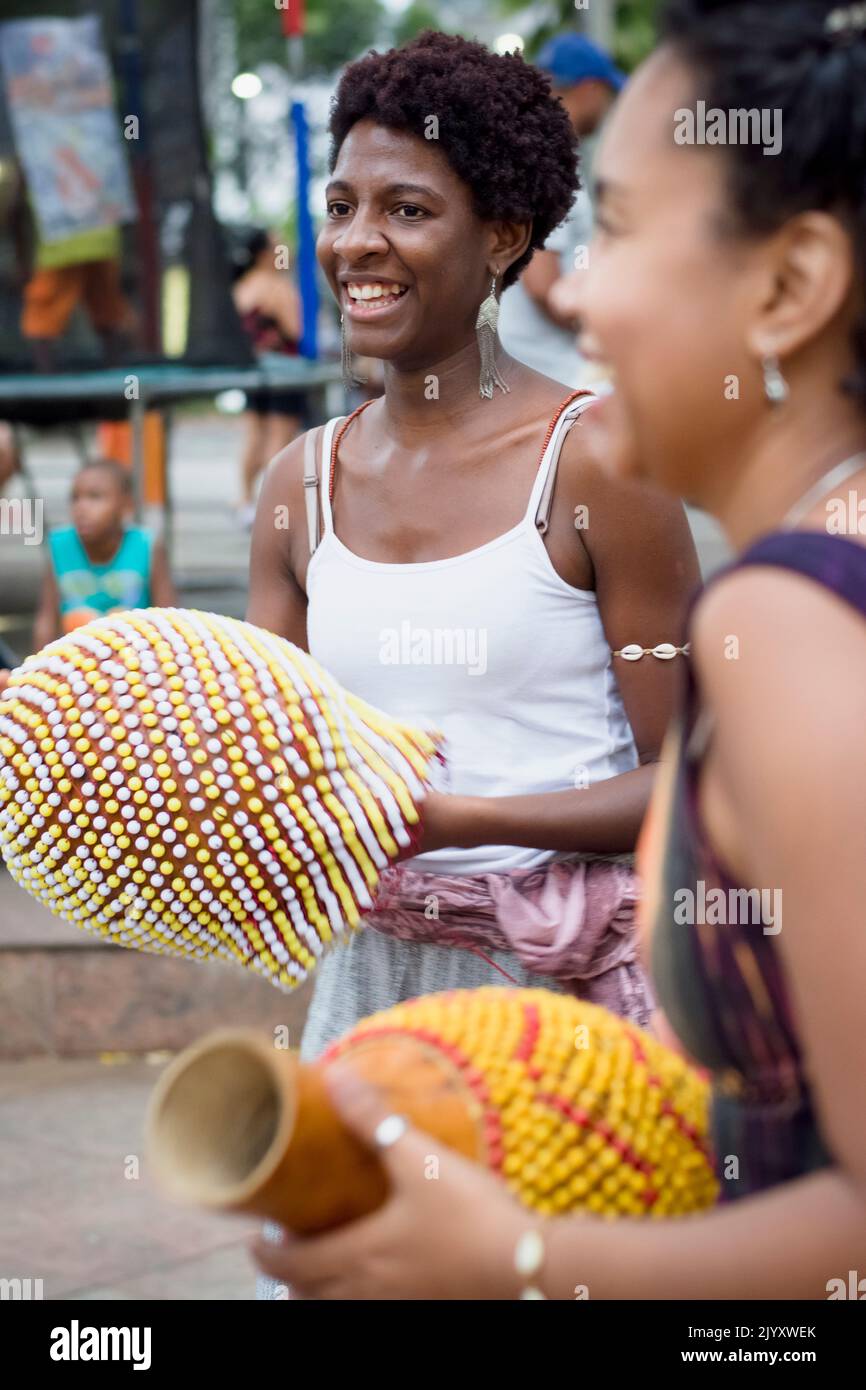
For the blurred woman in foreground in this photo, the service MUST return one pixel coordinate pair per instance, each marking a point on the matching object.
(726, 294)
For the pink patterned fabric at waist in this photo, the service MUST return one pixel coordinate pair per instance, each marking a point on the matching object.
(572, 920)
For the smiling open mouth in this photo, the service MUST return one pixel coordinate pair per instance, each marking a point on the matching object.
(369, 300)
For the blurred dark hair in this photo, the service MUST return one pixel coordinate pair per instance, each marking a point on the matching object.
(118, 471)
(245, 245)
(499, 127)
(779, 54)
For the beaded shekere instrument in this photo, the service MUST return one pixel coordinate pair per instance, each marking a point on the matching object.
(573, 1107)
(186, 783)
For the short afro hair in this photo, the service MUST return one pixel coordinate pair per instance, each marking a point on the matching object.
(500, 128)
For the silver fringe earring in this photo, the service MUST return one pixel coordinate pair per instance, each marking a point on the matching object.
(775, 385)
(485, 331)
(350, 377)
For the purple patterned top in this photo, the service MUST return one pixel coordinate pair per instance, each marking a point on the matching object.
(722, 982)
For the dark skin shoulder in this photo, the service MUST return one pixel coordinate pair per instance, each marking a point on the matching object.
(279, 553)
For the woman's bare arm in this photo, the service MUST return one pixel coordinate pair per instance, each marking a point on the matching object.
(46, 625)
(796, 786)
(285, 304)
(645, 569)
(279, 550)
(162, 591)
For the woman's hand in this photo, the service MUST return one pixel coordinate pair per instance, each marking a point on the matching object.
(447, 1230)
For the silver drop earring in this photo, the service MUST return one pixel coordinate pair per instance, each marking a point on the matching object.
(775, 386)
(350, 377)
(485, 332)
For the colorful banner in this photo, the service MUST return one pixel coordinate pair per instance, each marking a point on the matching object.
(58, 86)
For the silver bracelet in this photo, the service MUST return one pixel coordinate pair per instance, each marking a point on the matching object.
(528, 1258)
(665, 651)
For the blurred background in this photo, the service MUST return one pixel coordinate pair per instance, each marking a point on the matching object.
(162, 165)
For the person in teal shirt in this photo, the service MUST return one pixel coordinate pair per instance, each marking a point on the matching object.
(100, 564)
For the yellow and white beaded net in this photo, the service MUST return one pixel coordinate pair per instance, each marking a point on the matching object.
(181, 782)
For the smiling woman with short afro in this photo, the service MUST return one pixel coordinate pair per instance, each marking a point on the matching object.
(499, 128)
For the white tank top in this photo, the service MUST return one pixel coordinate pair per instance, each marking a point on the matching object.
(492, 647)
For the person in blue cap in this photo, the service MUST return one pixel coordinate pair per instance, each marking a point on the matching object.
(532, 325)
(583, 76)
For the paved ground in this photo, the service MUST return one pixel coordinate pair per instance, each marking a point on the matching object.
(72, 1211)
(77, 1209)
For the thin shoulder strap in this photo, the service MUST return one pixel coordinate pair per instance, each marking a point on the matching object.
(317, 444)
(546, 480)
(311, 485)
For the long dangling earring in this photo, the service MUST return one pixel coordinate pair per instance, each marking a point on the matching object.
(485, 331)
(350, 377)
(775, 386)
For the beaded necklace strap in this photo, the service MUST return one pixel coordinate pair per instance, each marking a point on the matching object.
(336, 440)
(581, 391)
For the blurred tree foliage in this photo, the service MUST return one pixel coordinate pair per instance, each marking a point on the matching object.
(634, 32)
(414, 20)
(337, 31)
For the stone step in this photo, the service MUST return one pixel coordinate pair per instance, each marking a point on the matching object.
(66, 993)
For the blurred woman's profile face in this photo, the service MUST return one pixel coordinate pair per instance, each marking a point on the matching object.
(402, 247)
(667, 296)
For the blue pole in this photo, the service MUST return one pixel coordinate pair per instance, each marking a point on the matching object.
(306, 240)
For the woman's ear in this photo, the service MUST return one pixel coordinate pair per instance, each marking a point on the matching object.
(508, 242)
(807, 280)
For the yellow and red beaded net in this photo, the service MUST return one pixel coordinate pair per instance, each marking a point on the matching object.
(580, 1110)
(182, 782)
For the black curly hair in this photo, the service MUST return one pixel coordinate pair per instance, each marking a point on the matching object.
(782, 55)
(500, 129)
